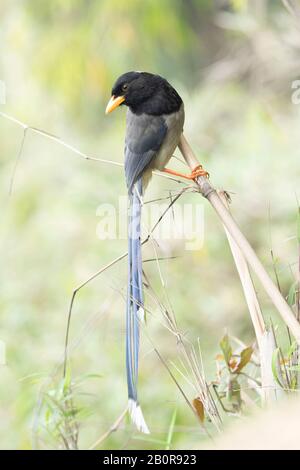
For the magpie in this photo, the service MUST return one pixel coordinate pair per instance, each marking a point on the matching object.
(154, 123)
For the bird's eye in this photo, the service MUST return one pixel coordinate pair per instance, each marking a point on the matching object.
(124, 87)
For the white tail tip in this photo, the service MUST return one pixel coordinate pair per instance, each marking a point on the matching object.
(141, 315)
(137, 417)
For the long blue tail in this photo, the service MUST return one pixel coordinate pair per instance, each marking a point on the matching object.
(135, 304)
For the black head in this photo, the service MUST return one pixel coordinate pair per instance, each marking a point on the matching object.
(144, 92)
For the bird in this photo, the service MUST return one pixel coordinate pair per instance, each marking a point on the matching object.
(154, 124)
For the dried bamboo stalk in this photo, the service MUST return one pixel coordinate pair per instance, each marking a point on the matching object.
(264, 337)
(209, 192)
(247, 284)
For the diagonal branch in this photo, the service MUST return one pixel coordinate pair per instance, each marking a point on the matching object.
(247, 284)
(209, 192)
(265, 338)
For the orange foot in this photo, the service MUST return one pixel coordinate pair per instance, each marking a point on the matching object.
(197, 171)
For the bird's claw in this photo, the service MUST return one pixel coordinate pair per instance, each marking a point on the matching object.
(199, 171)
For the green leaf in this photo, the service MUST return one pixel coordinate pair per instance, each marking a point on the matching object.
(275, 361)
(292, 294)
(67, 379)
(226, 349)
(292, 349)
(294, 383)
(149, 439)
(245, 358)
(48, 415)
(239, 5)
(171, 430)
(91, 376)
(293, 368)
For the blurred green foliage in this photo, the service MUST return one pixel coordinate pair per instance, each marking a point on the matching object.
(102, 39)
(233, 62)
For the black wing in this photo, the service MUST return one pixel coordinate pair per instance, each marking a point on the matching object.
(144, 137)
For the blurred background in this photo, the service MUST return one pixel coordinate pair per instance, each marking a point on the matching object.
(234, 64)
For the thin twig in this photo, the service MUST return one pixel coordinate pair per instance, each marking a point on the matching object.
(114, 427)
(65, 144)
(75, 291)
(100, 271)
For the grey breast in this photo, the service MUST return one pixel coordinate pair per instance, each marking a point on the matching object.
(149, 143)
(174, 123)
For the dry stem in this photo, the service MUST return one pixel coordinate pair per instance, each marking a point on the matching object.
(209, 192)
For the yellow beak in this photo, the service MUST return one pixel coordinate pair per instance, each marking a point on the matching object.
(113, 103)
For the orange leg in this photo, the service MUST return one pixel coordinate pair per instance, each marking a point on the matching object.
(197, 171)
